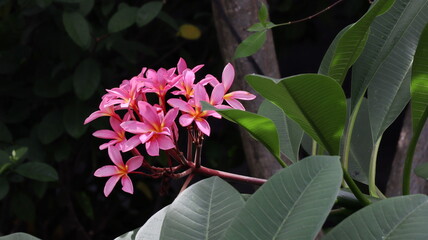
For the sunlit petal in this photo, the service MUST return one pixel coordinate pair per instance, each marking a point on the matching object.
(152, 147)
(106, 171)
(165, 142)
(105, 134)
(127, 184)
(134, 163)
(227, 76)
(115, 156)
(111, 182)
(203, 126)
(185, 120)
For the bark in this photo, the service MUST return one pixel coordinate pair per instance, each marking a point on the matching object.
(417, 184)
(232, 18)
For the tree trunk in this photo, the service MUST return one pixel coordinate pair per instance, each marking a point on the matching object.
(417, 184)
(232, 18)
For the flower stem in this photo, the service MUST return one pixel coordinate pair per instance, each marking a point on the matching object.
(354, 188)
(226, 175)
(372, 169)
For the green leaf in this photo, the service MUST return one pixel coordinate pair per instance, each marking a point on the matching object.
(361, 145)
(73, 117)
(250, 45)
(148, 12)
(86, 7)
(77, 28)
(22, 206)
(404, 217)
(352, 42)
(4, 187)
(50, 128)
(316, 102)
(261, 128)
(389, 51)
(290, 133)
(203, 211)
(44, 3)
(38, 171)
(419, 84)
(18, 154)
(5, 135)
(263, 13)
(257, 27)
(86, 79)
(19, 236)
(293, 204)
(329, 54)
(422, 171)
(122, 19)
(151, 230)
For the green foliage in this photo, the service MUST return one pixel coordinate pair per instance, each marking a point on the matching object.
(302, 97)
(148, 12)
(77, 28)
(289, 132)
(122, 19)
(261, 128)
(251, 44)
(37, 171)
(19, 236)
(86, 79)
(395, 218)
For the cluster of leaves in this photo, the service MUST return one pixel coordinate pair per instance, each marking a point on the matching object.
(389, 59)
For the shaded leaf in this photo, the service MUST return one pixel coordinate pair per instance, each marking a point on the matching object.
(22, 206)
(19, 236)
(77, 28)
(38, 171)
(5, 135)
(316, 102)
(353, 40)
(151, 230)
(73, 116)
(263, 13)
(289, 132)
(261, 128)
(122, 19)
(86, 6)
(293, 204)
(402, 217)
(203, 211)
(329, 54)
(422, 170)
(250, 45)
(4, 187)
(148, 12)
(50, 128)
(86, 79)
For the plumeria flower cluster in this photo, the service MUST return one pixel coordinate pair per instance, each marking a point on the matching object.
(135, 121)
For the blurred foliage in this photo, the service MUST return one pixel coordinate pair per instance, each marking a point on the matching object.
(56, 59)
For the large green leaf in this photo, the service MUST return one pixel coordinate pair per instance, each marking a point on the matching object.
(388, 55)
(50, 128)
(77, 28)
(316, 102)
(37, 171)
(293, 204)
(419, 85)
(361, 145)
(397, 218)
(148, 12)
(329, 54)
(261, 128)
(19, 236)
(422, 170)
(250, 45)
(351, 44)
(203, 211)
(290, 133)
(122, 19)
(86, 79)
(73, 116)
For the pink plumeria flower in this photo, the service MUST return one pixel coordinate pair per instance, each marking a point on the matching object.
(156, 131)
(104, 111)
(160, 81)
(118, 171)
(117, 136)
(126, 95)
(182, 65)
(193, 109)
(227, 79)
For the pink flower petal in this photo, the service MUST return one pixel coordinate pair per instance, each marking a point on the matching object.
(181, 65)
(185, 120)
(106, 171)
(180, 104)
(149, 114)
(127, 184)
(189, 78)
(203, 126)
(200, 94)
(135, 127)
(152, 147)
(111, 182)
(115, 156)
(105, 134)
(217, 95)
(170, 117)
(115, 124)
(242, 95)
(209, 79)
(146, 137)
(195, 69)
(235, 104)
(130, 143)
(165, 142)
(108, 144)
(94, 116)
(134, 163)
(227, 76)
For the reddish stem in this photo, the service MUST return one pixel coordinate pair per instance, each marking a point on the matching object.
(187, 182)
